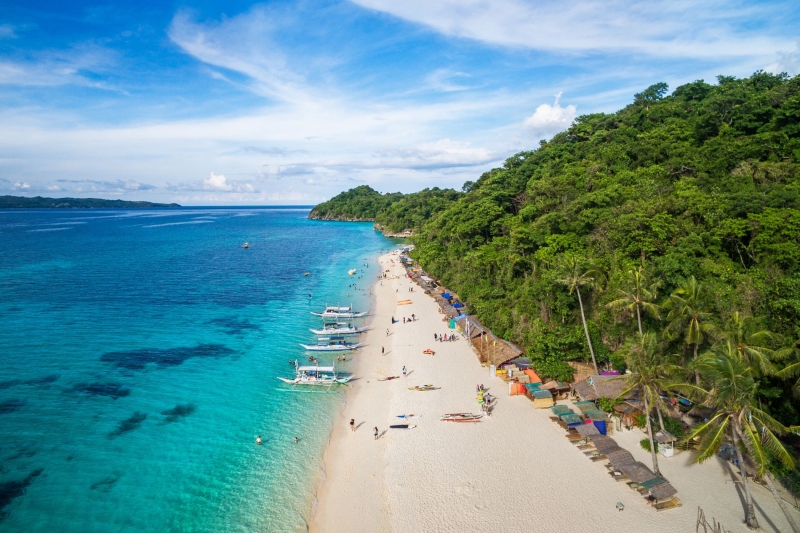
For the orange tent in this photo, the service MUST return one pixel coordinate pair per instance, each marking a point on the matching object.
(534, 377)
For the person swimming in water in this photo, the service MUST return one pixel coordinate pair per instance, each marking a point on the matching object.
(258, 439)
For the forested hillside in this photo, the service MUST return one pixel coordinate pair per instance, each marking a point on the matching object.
(702, 183)
(36, 202)
(413, 210)
(359, 204)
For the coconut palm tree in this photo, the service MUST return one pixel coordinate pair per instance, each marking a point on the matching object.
(574, 276)
(792, 369)
(737, 414)
(637, 294)
(741, 332)
(651, 373)
(687, 313)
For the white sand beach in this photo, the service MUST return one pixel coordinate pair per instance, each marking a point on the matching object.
(513, 471)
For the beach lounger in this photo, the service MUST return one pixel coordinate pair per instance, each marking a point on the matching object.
(672, 504)
(619, 476)
(600, 457)
(645, 486)
(587, 446)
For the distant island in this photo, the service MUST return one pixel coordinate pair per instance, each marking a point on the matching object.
(38, 202)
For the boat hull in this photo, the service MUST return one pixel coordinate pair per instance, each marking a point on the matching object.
(346, 348)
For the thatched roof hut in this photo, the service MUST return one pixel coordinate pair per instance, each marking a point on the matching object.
(662, 492)
(494, 350)
(595, 387)
(605, 444)
(588, 430)
(471, 326)
(620, 457)
(636, 472)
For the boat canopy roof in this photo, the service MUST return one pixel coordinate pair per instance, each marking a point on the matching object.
(315, 369)
(337, 308)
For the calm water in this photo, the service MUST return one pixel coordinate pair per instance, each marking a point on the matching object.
(139, 352)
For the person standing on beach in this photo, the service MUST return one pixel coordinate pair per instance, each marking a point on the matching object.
(404, 371)
(383, 350)
(352, 424)
(387, 332)
(375, 432)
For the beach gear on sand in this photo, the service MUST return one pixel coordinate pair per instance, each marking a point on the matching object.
(428, 351)
(403, 426)
(424, 387)
(388, 378)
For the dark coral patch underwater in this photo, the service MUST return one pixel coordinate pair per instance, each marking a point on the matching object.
(129, 424)
(112, 390)
(163, 357)
(9, 406)
(178, 412)
(11, 490)
(233, 325)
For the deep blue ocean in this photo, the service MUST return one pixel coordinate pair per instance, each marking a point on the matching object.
(138, 359)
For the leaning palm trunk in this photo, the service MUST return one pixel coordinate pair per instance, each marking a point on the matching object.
(750, 513)
(650, 436)
(639, 318)
(696, 372)
(772, 489)
(586, 330)
(660, 418)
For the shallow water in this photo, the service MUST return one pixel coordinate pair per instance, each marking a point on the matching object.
(139, 353)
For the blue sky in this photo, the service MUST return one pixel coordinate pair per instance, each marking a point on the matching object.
(215, 103)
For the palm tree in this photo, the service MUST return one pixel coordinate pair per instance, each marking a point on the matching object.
(574, 277)
(687, 312)
(749, 342)
(737, 413)
(651, 373)
(792, 369)
(637, 294)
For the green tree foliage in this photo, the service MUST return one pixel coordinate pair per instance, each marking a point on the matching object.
(360, 203)
(412, 210)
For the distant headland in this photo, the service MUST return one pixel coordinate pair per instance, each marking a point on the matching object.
(38, 202)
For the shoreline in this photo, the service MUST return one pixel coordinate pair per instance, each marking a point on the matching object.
(513, 471)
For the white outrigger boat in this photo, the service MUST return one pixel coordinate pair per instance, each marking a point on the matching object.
(316, 376)
(339, 328)
(339, 312)
(332, 344)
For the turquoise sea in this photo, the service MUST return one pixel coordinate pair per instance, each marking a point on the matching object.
(138, 359)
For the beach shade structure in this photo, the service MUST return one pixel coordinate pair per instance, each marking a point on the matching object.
(560, 409)
(542, 399)
(585, 406)
(663, 492)
(620, 457)
(595, 414)
(601, 426)
(458, 305)
(636, 472)
(666, 443)
(446, 295)
(533, 387)
(534, 377)
(587, 430)
(605, 445)
(572, 420)
(595, 387)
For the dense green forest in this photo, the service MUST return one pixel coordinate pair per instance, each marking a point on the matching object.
(412, 210)
(663, 238)
(22, 202)
(362, 203)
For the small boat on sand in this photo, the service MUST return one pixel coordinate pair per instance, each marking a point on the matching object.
(424, 388)
(406, 417)
(462, 417)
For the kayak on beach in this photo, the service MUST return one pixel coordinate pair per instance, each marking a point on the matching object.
(402, 426)
(408, 416)
(424, 387)
(389, 378)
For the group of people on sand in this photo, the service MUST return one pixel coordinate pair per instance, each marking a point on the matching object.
(353, 428)
(444, 337)
(405, 319)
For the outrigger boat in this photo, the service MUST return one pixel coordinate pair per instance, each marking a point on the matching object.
(339, 328)
(462, 417)
(332, 344)
(316, 376)
(339, 312)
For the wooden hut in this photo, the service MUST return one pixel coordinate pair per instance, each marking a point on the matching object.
(620, 457)
(666, 443)
(636, 472)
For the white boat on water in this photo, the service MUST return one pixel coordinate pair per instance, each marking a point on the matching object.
(316, 376)
(332, 344)
(339, 328)
(339, 312)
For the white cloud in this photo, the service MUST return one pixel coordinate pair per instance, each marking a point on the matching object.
(656, 27)
(548, 119)
(788, 62)
(21, 185)
(54, 188)
(217, 182)
(59, 67)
